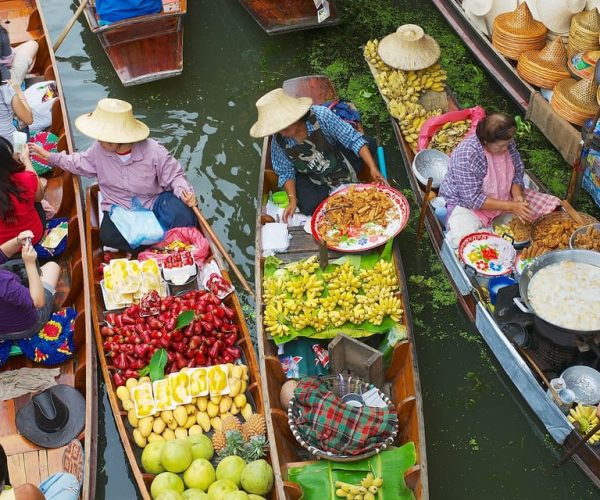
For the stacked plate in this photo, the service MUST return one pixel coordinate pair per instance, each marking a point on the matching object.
(517, 32)
(544, 68)
(584, 32)
(575, 100)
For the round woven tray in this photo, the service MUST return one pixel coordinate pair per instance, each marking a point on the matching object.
(543, 224)
(349, 385)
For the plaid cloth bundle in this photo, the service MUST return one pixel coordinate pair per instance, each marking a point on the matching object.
(327, 423)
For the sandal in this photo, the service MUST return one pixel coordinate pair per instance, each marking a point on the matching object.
(72, 461)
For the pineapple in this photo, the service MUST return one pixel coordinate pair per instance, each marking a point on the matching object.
(231, 423)
(219, 441)
(254, 426)
(255, 448)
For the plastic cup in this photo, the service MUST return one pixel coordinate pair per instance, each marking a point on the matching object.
(280, 198)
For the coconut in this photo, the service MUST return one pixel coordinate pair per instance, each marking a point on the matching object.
(287, 393)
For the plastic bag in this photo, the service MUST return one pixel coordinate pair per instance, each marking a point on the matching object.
(188, 236)
(139, 226)
(431, 125)
(40, 97)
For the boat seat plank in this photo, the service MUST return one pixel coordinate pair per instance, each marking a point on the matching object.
(43, 464)
(32, 469)
(16, 470)
(15, 444)
(55, 457)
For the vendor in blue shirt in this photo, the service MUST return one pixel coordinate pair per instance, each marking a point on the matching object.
(312, 151)
(111, 11)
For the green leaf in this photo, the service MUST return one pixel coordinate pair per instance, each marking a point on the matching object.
(157, 365)
(144, 371)
(184, 319)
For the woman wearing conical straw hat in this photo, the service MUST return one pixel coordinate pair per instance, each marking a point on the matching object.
(312, 151)
(128, 165)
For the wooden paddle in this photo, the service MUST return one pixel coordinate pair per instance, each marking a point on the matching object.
(69, 25)
(206, 226)
(579, 444)
(424, 207)
(572, 212)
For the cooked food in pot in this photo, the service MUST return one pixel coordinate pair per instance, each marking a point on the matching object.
(589, 239)
(567, 294)
(517, 229)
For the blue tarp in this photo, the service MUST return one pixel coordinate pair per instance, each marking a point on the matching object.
(117, 10)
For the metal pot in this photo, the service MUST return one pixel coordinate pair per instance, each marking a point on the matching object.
(582, 256)
(502, 219)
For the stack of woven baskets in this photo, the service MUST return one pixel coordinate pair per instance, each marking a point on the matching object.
(517, 32)
(544, 68)
(584, 32)
(575, 100)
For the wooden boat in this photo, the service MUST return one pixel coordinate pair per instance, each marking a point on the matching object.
(95, 258)
(402, 375)
(518, 363)
(277, 17)
(27, 462)
(145, 48)
(564, 136)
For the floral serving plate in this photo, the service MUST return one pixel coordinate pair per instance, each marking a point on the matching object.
(487, 253)
(521, 264)
(358, 238)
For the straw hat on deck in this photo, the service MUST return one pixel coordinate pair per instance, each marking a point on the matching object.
(409, 48)
(278, 110)
(112, 121)
(584, 32)
(546, 67)
(516, 32)
(575, 100)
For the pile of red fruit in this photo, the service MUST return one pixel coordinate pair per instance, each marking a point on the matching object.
(131, 338)
(178, 259)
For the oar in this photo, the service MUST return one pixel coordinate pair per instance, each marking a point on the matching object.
(206, 226)
(424, 207)
(579, 444)
(69, 25)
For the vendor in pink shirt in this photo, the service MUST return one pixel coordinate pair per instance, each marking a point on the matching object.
(128, 165)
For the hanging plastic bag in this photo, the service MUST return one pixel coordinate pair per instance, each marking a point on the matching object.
(433, 124)
(139, 226)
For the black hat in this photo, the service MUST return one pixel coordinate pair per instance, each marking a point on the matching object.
(53, 417)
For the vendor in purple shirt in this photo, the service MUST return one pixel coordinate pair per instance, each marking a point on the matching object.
(128, 165)
(24, 311)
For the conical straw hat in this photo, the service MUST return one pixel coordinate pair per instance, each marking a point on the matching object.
(500, 7)
(409, 48)
(532, 4)
(520, 22)
(544, 68)
(278, 110)
(575, 100)
(478, 7)
(584, 32)
(112, 121)
(556, 14)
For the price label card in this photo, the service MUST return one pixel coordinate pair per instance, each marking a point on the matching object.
(323, 11)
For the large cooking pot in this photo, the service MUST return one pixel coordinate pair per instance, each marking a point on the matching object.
(567, 335)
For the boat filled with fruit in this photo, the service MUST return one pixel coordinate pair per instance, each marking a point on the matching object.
(179, 366)
(336, 344)
(519, 282)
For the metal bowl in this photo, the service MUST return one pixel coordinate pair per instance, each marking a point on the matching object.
(584, 382)
(505, 219)
(579, 231)
(430, 163)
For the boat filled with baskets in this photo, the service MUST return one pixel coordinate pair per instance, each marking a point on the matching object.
(527, 279)
(336, 344)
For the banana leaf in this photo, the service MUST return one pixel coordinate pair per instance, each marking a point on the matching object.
(273, 265)
(318, 479)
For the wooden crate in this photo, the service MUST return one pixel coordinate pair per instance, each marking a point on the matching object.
(348, 355)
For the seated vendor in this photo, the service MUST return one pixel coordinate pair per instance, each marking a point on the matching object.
(485, 178)
(24, 311)
(128, 165)
(21, 193)
(111, 11)
(312, 151)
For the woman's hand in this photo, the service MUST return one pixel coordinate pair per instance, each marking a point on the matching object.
(38, 150)
(517, 193)
(23, 236)
(189, 198)
(377, 177)
(29, 254)
(290, 209)
(24, 156)
(522, 211)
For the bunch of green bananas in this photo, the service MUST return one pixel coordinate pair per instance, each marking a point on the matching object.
(584, 418)
(367, 490)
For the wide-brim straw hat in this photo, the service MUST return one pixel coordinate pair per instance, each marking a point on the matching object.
(575, 100)
(556, 14)
(278, 110)
(516, 32)
(544, 68)
(112, 121)
(409, 48)
(478, 7)
(500, 7)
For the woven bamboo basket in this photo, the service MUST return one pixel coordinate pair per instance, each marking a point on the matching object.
(517, 32)
(544, 223)
(544, 68)
(341, 385)
(575, 100)
(584, 32)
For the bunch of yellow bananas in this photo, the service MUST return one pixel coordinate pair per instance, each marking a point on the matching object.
(303, 267)
(275, 318)
(372, 56)
(450, 135)
(584, 418)
(367, 490)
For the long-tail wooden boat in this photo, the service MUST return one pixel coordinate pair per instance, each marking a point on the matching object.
(277, 17)
(402, 374)
(564, 136)
(145, 48)
(27, 462)
(95, 258)
(519, 364)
